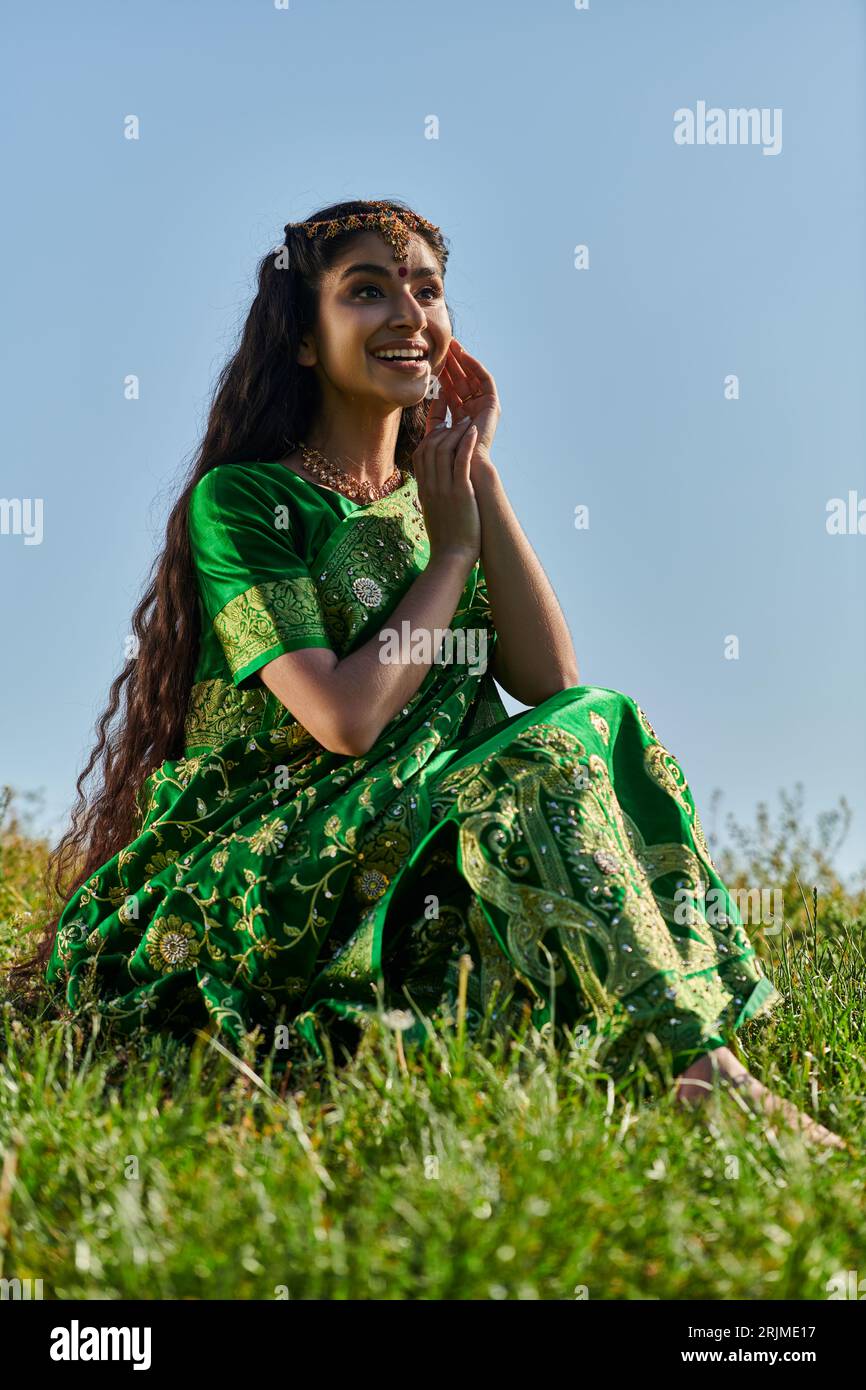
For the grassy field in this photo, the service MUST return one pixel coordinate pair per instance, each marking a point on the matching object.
(470, 1169)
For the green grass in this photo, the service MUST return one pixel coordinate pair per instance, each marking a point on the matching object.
(466, 1169)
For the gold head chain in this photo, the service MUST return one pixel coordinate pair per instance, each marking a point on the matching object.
(394, 224)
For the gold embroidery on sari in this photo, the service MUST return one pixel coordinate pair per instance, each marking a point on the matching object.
(351, 959)
(218, 711)
(546, 818)
(664, 769)
(600, 724)
(498, 975)
(385, 848)
(171, 944)
(642, 716)
(278, 610)
(364, 576)
(701, 839)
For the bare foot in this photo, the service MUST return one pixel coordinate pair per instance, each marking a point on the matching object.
(720, 1068)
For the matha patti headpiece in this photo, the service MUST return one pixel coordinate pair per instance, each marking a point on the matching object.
(394, 225)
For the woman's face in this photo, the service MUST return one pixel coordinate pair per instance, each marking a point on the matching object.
(384, 303)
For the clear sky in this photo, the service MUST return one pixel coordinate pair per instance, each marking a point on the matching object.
(707, 516)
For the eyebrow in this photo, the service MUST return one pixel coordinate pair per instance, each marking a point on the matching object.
(369, 268)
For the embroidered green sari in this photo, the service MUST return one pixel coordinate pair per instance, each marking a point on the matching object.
(271, 881)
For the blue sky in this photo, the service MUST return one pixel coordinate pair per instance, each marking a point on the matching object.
(707, 515)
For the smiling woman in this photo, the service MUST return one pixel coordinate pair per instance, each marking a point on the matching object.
(290, 825)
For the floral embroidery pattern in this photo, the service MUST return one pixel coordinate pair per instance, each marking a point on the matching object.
(269, 838)
(384, 849)
(218, 710)
(368, 573)
(171, 945)
(368, 591)
(263, 616)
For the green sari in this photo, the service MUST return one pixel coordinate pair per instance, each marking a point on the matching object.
(272, 881)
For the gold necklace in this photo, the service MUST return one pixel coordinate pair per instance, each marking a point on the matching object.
(354, 488)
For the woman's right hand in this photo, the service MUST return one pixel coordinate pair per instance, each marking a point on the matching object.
(441, 463)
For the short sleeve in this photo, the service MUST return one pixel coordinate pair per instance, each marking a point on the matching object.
(256, 590)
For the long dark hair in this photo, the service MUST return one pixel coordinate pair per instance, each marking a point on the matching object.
(262, 403)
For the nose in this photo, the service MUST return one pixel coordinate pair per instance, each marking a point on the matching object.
(408, 310)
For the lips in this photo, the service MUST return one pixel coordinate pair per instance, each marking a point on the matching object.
(412, 366)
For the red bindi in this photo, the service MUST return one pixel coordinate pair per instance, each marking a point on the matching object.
(402, 270)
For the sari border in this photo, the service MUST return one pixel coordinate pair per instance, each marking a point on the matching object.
(395, 504)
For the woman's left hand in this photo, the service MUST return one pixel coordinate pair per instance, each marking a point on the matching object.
(467, 388)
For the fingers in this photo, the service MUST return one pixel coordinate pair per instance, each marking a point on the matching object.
(464, 377)
(458, 377)
(436, 413)
(457, 394)
(444, 452)
(457, 386)
(463, 456)
(434, 457)
(471, 366)
(443, 476)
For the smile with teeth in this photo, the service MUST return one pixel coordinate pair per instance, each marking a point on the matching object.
(404, 359)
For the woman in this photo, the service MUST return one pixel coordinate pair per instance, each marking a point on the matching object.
(315, 789)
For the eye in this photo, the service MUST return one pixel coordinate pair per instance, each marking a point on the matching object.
(427, 289)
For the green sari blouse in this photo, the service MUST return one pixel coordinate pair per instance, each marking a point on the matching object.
(271, 881)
